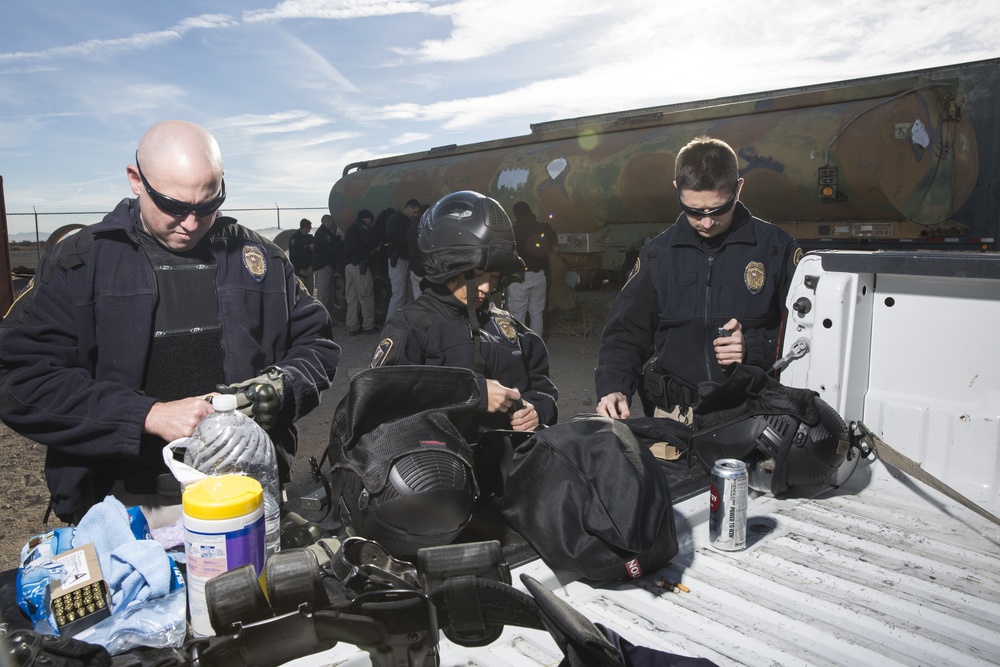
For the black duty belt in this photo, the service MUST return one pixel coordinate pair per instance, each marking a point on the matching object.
(149, 480)
(664, 391)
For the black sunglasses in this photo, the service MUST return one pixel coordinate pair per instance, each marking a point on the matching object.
(711, 213)
(179, 209)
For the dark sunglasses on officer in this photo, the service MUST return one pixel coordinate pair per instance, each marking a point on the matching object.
(179, 209)
(712, 212)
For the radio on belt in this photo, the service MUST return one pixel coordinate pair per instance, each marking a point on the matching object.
(727, 522)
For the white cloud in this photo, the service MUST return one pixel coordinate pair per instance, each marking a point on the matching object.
(312, 70)
(108, 48)
(656, 54)
(484, 27)
(407, 138)
(281, 122)
(207, 21)
(333, 9)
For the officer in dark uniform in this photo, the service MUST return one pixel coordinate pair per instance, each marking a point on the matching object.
(130, 323)
(468, 248)
(300, 253)
(706, 293)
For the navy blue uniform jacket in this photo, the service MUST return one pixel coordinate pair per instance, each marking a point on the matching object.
(677, 297)
(74, 347)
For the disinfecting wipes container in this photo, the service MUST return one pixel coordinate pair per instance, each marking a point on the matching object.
(223, 530)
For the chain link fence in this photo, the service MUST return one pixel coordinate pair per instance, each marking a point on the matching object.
(36, 225)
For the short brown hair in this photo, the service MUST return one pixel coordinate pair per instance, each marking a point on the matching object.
(706, 164)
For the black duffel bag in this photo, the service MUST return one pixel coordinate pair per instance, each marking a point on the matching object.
(591, 500)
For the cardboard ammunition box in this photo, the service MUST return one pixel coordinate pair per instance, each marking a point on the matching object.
(81, 599)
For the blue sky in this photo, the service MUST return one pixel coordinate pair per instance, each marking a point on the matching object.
(295, 90)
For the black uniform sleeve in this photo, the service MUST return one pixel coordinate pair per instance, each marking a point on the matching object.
(45, 390)
(541, 393)
(400, 344)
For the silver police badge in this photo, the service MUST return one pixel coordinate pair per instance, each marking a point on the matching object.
(254, 262)
(506, 326)
(753, 277)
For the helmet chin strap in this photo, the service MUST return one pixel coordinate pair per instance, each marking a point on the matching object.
(470, 305)
(470, 302)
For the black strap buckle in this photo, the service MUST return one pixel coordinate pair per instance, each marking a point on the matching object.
(363, 565)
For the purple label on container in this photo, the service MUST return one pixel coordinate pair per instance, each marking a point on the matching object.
(211, 554)
(246, 546)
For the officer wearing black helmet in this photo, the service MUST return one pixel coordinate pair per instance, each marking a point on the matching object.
(467, 246)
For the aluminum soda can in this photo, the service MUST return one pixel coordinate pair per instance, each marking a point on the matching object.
(727, 520)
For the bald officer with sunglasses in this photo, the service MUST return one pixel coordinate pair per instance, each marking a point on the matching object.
(129, 324)
(706, 293)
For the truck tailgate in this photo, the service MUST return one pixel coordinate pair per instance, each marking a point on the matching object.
(884, 571)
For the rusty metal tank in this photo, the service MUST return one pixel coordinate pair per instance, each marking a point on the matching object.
(896, 157)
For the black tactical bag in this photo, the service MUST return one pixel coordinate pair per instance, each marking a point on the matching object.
(591, 500)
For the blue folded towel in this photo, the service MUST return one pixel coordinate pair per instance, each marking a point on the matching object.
(135, 570)
(139, 570)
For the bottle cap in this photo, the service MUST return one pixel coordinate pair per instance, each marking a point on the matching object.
(224, 403)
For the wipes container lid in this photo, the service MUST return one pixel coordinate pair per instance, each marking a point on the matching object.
(223, 497)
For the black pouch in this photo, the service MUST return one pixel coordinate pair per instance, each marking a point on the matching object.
(591, 500)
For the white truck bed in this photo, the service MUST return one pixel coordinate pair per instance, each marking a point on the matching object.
(884, 571)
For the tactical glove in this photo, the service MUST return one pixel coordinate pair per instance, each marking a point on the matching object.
(261, 398)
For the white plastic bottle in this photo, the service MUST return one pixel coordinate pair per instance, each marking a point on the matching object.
(232, 443)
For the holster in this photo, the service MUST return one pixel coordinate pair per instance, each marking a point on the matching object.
(660, 390)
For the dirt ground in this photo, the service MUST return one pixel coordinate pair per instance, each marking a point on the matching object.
(573, 340)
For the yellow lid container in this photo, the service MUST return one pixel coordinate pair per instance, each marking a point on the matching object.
(223, 497)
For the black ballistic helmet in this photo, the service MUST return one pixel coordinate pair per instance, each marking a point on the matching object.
(400, 457)
(426, 502)
(464, 231)
(781, 451)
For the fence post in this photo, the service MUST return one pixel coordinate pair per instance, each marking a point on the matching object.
(278, 213)
(38, 238)
(6, 274)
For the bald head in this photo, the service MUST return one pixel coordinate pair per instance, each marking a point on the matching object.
(181, 170)
(179, 145)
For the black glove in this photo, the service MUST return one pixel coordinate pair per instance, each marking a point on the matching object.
(31, 648)
(261, 398)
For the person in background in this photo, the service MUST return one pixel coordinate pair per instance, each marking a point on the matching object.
(535, 239)
(416, 261)
(706, 293)
(327, 257)
(359, 283)
(398, 253)
(129, 324)
(454, 323)
(300, 253)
